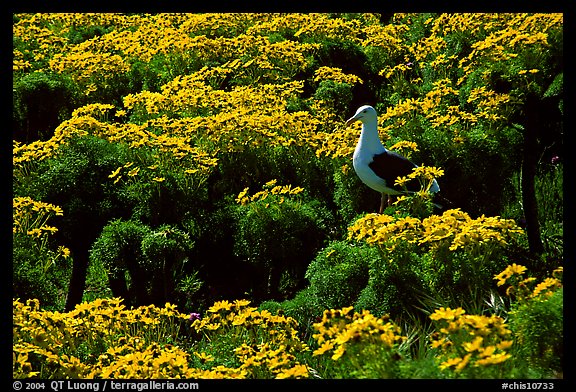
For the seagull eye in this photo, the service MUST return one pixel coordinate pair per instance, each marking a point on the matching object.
(364, 111)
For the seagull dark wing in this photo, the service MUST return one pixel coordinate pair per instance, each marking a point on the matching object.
(390, 165)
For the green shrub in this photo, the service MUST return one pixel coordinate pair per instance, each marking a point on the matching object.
(97, 283)
(165, 253)
(223, 273)
(40, 102)
(303, 307)
(339, 273)
(31, 281)
(280, 239)
(118, 249)
(336, 95)
(539, 330)
(351, 196)
(144, 265)
(394, 289)
(76, 179)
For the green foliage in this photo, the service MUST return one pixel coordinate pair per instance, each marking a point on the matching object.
(118, 250)
(77, 181)
(336, 95)
(80, 34)
(30, 280)
(550, 196)
(163, 235)
(40, 102)
(165, 253)
(144, 265)
(351, 197)
(97, 283)
(304, 307)
(280, 238)
(538, 326)
(395, 286)
(339, 273)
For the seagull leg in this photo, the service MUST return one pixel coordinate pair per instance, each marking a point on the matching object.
(382, 202)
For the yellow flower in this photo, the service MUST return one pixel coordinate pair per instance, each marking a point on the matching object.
(450, 363)
(493, 359)
(447, 313)
(204, 357)
(475, 345)
(297, 371)
(511, 270)
(548, 283)
(115, 172)
(504, 345)
(220, 305)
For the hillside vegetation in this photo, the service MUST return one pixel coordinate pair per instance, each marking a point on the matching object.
(184, 202)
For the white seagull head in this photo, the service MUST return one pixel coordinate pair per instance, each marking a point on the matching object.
(366, 114)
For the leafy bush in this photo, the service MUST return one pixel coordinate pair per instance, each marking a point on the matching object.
(396, 286)
(40, 268)
(165, 253)
(118, 249)
(152, 260)
(304, 307)
(339, 273)
(279, 235)
(41, 101)
(336, 95)
(29, 278)
(450, 256)
(539, 329)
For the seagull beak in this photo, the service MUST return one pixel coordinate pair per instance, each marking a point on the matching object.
(351, 120)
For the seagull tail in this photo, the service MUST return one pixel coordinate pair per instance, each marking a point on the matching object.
(445, 202)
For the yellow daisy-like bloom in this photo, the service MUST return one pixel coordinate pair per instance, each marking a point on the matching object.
(543, 287)
(492, 359)
(220, 305)
(450, 362)
(447, 313)
(326, 346)
(513, 269)
(297, 371)
(475, 345)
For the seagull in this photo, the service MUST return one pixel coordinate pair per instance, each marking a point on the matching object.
(377, 166)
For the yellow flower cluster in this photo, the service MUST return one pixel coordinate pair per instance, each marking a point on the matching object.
(90, 70)
(341, 328)
(469, 340)
(245, 117)
(261, 71)
(389, 37)
(454, 229)
(388, 72)
(425, 174)
(269, 189)
(335, 74)
(322, 26)
(139, 343)
(526, 288)
(265, 344)
(168, 151)
(45, 341)
(30, 217)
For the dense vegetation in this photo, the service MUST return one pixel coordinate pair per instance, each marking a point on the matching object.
(185, 204)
